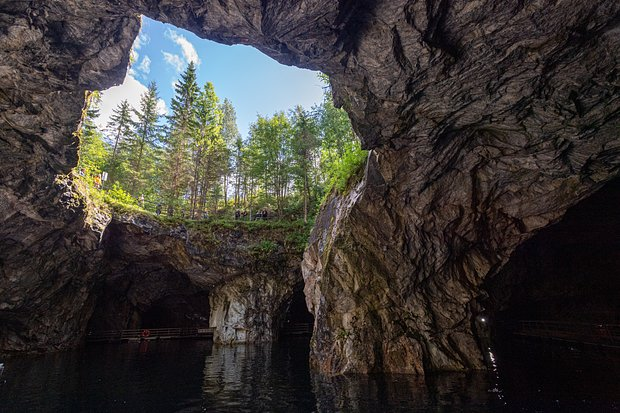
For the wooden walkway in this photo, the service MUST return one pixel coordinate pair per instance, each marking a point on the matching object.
(600, 335)
(149, 334)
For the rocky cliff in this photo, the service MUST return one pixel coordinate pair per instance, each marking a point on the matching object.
(487, 120)
(237, 277)
(142, 272)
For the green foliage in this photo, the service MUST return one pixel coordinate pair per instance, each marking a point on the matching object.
(269, 157)
(264, 248)
(142, 146)
(298, 239)
(341, 152)
(197, 162)
(119, 132)
(118, 195)
(353, 159)
(183, 131)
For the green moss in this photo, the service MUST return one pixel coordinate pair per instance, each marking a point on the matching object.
(264, 248)
(343, 334)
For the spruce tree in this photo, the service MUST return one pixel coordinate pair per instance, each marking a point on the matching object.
(93, 151)
(230, 135)
(143, 141)
(305, 145)
(120, 129)
(178, 144)
(207, 146)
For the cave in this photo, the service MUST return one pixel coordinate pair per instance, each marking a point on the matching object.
(569, 271)
(178, 311)
(149, 297)
(486, 121)
(295, 319)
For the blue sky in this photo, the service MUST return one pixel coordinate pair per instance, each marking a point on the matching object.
(253, 82)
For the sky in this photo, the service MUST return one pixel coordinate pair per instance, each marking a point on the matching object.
(253, 82)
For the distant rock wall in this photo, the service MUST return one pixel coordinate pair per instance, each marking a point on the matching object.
(249, 308)
(153, 270)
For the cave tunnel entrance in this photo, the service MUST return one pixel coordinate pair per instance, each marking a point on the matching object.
(178, 311)
(562, 285)
(297, 320)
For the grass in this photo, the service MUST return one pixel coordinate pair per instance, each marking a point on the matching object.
(292, 233)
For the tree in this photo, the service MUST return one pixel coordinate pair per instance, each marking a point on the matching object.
(270, 156)
(120, 131)
(207, 146)
(341, 152)
(238, 166)
(93, 152)
(143, 141)
(304, 147)
(182, 132)
(231, 137)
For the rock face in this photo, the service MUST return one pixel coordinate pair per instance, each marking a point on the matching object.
(235, 278)
(247, 309)
(487, 120)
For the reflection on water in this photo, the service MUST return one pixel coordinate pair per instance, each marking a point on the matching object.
(264, 377)
(189, 376)
(404, 393)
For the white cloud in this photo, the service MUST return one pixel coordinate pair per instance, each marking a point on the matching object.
(145, 66)
(134, 56)
(174, 60)
(162, 108)
(132, 90)
(187, 48)
(140, 41)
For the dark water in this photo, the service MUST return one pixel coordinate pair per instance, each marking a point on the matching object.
(190, 376)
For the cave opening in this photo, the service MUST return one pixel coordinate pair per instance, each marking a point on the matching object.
(234, 84)
(296, 319)
(132, 134)
(561, 286)
(178, 311)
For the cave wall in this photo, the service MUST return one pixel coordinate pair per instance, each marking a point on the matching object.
(487, 120)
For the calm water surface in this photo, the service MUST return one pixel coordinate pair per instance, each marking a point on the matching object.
(194, 376)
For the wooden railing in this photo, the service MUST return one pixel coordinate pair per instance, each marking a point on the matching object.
(296, 329)
(149, 334)
(575, 332)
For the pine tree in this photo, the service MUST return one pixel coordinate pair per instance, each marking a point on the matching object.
(93, 152)
(207, 147)
(230, 135)
(238, 170)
